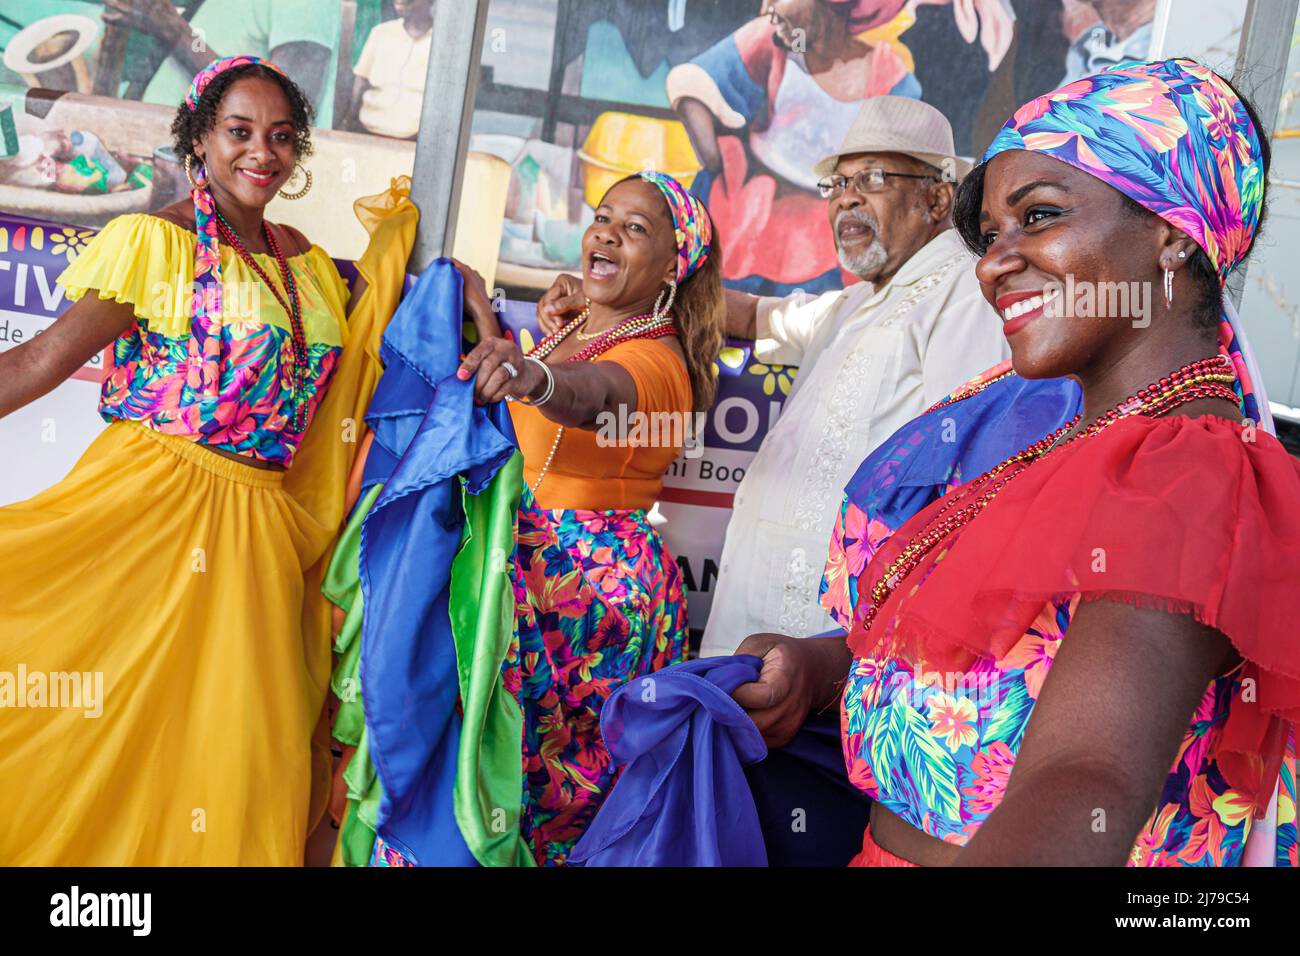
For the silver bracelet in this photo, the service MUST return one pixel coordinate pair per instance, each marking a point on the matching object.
(550, 384)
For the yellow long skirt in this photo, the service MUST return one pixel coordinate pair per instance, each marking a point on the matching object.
(186, 587)
(173, 578)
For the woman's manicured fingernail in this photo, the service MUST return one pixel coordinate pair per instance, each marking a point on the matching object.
(462, 373)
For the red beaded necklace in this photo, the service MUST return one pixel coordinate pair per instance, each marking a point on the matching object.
(647, 326)
(298, 417)
(963, 394)
(1207, 378)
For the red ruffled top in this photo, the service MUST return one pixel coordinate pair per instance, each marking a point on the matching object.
(1192, 515)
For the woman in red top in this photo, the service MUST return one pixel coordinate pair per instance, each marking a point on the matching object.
(1159, 529)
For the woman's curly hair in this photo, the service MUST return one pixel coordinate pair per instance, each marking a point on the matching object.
(190, 125)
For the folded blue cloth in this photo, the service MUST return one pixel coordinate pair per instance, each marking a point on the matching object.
(915, 465)
(431, 441)
(682, 799)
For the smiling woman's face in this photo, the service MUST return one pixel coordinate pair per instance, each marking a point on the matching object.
(249, 152)
(630, 251)
(1047, 226)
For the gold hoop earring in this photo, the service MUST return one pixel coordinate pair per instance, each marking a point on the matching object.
(189, 160)
(306, 186)
(659, 315)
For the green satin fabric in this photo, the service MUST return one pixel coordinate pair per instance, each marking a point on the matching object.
(489, 774)
(489, 769)
(342, 586)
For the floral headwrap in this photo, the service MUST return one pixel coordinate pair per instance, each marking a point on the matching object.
(205, 326)
(215, 69)
(690, 221)
(1173, 137)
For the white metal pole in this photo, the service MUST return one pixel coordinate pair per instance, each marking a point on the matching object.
(443, 139)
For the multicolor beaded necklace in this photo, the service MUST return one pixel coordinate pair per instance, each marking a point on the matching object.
(962, 394)
(647, 326)
(1207, 378)
(298, 418)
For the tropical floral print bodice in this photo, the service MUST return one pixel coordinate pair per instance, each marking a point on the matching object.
(154, 374)
(937, 749)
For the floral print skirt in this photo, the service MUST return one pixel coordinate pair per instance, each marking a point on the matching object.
(598, 602)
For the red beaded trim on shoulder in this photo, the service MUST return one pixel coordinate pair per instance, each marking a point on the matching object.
(1207, 378)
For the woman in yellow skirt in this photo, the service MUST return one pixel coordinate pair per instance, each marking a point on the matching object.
(164, 649)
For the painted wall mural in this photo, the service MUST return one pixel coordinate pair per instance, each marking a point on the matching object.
(739, 98)
(88, 91)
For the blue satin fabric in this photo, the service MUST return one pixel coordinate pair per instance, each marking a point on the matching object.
(682, 799)
(428, 435)
(951, 445)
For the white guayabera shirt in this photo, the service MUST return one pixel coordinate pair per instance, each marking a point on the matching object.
(869, 362)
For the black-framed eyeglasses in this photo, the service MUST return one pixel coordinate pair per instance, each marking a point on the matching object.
(869, 180)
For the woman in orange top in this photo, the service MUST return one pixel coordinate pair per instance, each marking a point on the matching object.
(601, 407)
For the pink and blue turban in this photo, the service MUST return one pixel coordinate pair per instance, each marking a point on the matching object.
(215, 69)
(1173, 137)
(691, 223)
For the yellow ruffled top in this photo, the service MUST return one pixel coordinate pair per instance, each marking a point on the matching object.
(155, 373)
(143, 260)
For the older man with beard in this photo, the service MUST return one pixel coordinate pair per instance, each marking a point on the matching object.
(870, 357)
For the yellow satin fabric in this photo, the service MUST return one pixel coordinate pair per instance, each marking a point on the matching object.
(191, 583)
